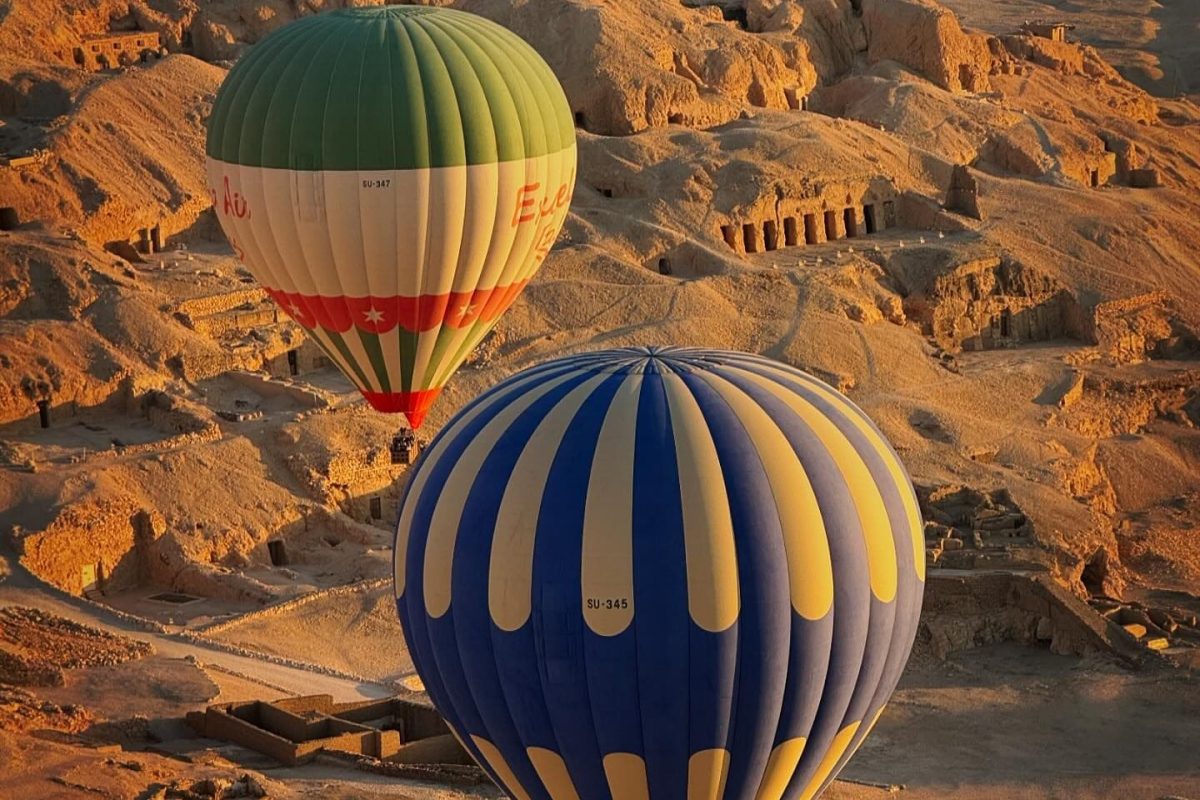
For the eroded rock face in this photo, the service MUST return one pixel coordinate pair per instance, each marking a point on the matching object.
(666, 64)
(127, 157)
(1112, 407)
(987, 302)
(927, 38)
(1142, 327)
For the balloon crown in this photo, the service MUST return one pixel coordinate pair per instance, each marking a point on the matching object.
(388, 12)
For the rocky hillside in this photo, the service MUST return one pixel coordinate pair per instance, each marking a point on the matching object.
(985, 238)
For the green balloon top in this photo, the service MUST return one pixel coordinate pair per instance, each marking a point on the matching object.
(390, 87)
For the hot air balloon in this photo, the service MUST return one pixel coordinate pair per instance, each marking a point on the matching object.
(393, 177)
(660, 573)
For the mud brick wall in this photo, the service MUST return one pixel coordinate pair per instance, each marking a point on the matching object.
(209, 305)
(99, 536)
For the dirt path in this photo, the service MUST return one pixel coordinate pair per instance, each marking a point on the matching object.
(19, 587)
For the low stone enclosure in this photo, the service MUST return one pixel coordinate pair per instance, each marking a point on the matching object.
(797, 224)
(294, 730)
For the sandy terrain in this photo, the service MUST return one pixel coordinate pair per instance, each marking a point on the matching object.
(363, 625)
(1154, 44)
(1017, 308)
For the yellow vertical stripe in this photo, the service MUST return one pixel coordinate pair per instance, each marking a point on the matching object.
(254, 237)
(524, 233)
(496, 761)
(481, 218)
(451, 340)
(377, 207)
(713, 595)
(447, 515)
(899, 476)
(806, 544)
(510, 572)
(626, 775)
(867, 500)
(780, 769)
(832, 756)
(875, 721)
(393, 358)
(707, 771)
(608, 517)
(413, 227)
(553, 772)
(509, 180)
(404, 527)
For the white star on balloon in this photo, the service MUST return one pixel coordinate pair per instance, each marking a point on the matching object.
(295, 310)
(464, 311)
(373, 316)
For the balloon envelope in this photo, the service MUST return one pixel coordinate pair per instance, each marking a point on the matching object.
(660, 573)
(393, 177)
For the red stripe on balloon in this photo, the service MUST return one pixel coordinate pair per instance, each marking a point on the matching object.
(414, 405)
(379, 315)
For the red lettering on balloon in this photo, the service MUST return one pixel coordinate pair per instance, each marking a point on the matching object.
(530, 208)
(545, 242)
(524, 202)
(235, 204)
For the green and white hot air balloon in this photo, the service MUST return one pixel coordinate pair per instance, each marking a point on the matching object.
(393, 177)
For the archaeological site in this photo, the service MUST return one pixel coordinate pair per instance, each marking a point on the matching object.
(978, 220)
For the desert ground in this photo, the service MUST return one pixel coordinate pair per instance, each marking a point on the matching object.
(985, 236)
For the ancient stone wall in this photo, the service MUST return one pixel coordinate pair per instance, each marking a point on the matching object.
(366, 486)
(217, 303)
(992, 302)
(173, 416)
(292, 732)
(197, 366)
(831, 212)
(88, 545)
(270, 387)
(289, 606)
(223, 726)
(966, 611)
(308, 357)
(1060, 56)
(963, 195)
(921, 213)
(117, 49)
(243, 319)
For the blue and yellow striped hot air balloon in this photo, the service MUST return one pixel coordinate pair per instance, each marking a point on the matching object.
(660, 573)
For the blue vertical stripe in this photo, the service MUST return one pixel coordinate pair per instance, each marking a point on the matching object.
(662, 624)
(560, 653)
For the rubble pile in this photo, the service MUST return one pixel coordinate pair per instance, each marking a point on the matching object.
(35, 646)
(218, 788)
(961, 522)
(21, 710)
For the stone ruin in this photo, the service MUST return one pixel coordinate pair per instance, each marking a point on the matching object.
(963, 195)
(963, 524)
(1054, 31)
(990, 302)
(295, 730)
(117, 49)
(1140, 328)
(814, 220)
